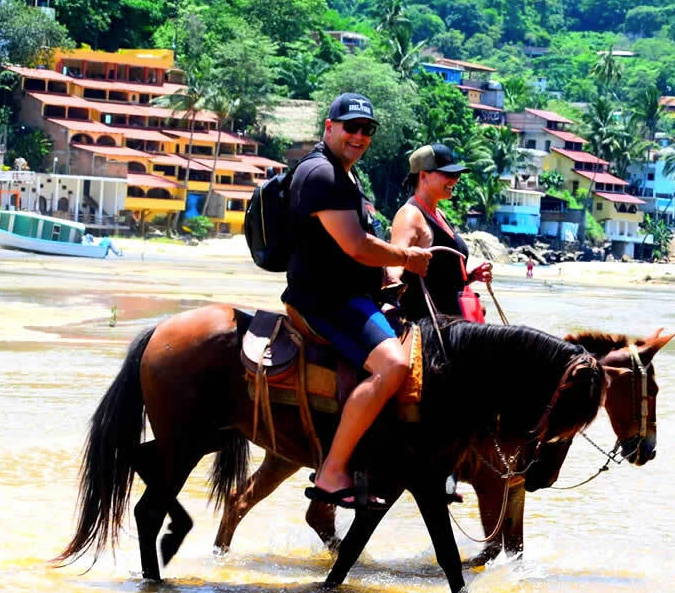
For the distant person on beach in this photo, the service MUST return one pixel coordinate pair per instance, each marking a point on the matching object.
(109, 246)
(530, 267)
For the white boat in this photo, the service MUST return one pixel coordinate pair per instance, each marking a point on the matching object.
(30, 231)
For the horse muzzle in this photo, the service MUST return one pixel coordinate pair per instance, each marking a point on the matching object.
(639, 451)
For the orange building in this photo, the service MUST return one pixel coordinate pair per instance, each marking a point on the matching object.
(97, 109)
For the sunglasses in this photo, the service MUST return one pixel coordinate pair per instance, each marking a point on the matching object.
(352, 127)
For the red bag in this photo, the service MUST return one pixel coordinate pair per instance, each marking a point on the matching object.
(472, 309)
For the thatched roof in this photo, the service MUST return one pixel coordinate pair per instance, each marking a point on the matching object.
(294, 119)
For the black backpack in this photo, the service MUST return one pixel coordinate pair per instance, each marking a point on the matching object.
(267, 222)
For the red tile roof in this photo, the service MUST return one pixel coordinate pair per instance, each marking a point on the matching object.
(484, 107)
(235, 195)
(118, 108)
(85, 126)
(113, 151)
(549, 115)
(145, 180)
(39, 73)
(259, 161)
(97, 127)
(580, 156)
(211, 136)
(566, 136)
(464, 65)
(134, 87)
(601, 177)
(230, 165)
(621, 198)
(181, 161)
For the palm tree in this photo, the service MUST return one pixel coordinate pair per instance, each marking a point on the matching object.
(602, 128)
(607, 70)
(648, 111)
(222, 105)
(185, 105)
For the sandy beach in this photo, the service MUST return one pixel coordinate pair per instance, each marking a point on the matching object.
(215, 270)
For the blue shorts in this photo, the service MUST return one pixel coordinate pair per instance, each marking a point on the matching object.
(355, 329)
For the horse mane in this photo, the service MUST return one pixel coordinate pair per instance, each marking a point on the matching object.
(600, 343)
(502, 378)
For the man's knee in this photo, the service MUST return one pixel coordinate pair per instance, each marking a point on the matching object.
(389, 361)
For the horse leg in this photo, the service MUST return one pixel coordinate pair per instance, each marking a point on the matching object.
(160, 495)
(513, 522)
(364, 524)
(429, 493)
(321, 518)
(146, 465)
(489, 489)
(272, 471)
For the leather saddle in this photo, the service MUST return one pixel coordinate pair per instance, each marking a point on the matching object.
(294, 363)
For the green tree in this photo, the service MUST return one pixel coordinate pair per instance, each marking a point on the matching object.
(424, 23)
(643, 21)
(246, 68)
(602, 128)
(648, 112)
(450, 44)
(31, 144)
(284, 21)
(394, 101)
(27, 34)
(443, 111)
(662, 235)
(607, 70)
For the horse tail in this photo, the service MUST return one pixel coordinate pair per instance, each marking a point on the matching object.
(229, 471)
(106, 474)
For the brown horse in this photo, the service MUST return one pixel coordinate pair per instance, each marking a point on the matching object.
(488, 482)
(187, 377)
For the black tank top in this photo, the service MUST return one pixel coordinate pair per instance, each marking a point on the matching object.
(444, 279)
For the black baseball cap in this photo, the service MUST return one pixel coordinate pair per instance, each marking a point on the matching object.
(435, 157)
(351, 106)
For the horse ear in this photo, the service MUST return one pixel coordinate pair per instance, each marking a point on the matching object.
(654, 343)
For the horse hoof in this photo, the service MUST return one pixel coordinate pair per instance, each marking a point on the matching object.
(221, 551)
(168, 547)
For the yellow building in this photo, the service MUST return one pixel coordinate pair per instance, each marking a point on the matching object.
(97, 109)
(618, 212)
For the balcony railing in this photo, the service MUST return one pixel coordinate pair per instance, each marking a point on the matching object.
(17, 177)
(94, 220)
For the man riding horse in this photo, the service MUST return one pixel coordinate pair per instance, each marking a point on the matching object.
(334, 277)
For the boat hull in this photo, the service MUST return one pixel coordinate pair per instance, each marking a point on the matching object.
(14, 241)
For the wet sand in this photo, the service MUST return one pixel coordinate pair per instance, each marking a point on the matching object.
(218, 270)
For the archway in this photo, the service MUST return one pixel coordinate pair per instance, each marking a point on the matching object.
(136, 167)
(160, 193)
(105, 141)
(82, 139)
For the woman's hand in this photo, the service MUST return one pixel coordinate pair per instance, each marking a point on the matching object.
(482, 273)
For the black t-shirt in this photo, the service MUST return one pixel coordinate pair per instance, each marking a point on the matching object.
(320, 273)
(444, 279)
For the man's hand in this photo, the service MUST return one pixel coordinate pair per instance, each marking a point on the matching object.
(482, 273)
(417, 260)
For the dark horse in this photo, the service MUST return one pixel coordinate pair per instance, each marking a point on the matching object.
(186, 375)
(502, 511)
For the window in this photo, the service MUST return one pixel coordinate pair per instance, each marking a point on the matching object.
(531, 144)
(650, 176)
(598, 206)
(548, 146)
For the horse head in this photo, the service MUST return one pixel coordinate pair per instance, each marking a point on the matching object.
(631, 396)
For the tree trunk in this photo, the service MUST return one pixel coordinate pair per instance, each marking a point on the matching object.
(213, 173)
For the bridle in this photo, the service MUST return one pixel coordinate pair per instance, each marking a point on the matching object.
(639, 392)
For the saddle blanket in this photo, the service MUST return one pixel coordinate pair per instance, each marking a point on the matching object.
(275, 351)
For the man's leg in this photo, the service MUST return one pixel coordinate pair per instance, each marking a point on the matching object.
(388, 366)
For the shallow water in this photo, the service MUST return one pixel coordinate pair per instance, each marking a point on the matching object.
(612, 535)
